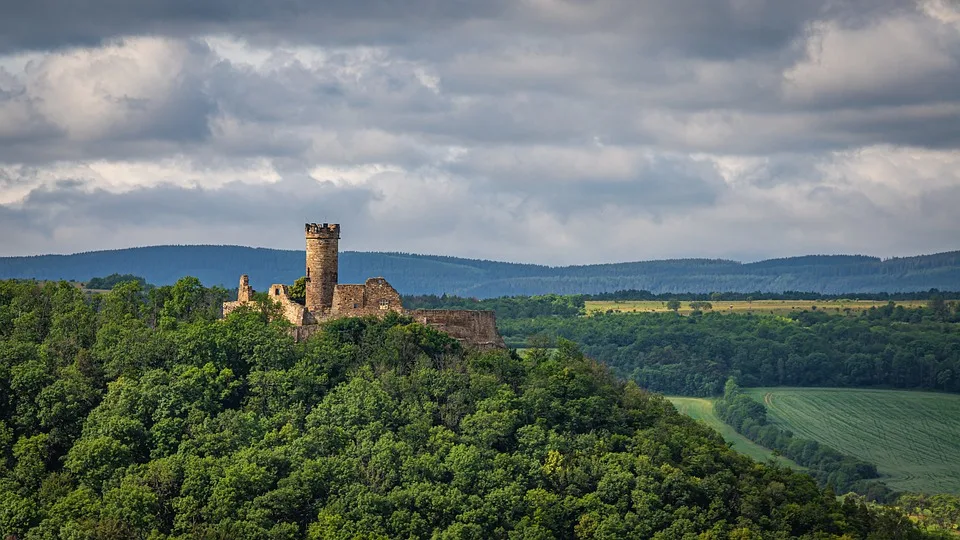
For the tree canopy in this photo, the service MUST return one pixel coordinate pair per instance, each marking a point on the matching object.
(141, 415)
(889, 347)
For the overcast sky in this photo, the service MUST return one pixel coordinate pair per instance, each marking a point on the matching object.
(550, 131)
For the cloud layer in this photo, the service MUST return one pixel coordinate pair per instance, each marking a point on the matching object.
(548, 131)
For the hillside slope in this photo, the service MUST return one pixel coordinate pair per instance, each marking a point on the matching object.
(143, 416)
(429, 274)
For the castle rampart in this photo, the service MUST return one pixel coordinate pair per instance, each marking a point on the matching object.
(326, 299)
(296, 313)
(478, 328)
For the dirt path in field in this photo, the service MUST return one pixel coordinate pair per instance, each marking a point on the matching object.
(768, 399)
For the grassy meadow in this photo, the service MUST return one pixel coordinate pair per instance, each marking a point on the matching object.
(702, 409)
(766, 307)
(912, 437)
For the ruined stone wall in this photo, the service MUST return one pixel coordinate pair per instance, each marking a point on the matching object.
(322, 265)
(244, 296)
(244, 291)
(381, 296)
(472, 328)
(292, 311)
(230, 307)
(347, 298)
(375, 297)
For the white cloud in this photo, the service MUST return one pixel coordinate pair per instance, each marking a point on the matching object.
(887, 57)
(544, 130)
(110, 91)
(124, 176)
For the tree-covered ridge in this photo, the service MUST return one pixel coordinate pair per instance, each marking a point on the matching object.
(142, 416)
(429, 274)
(886, 347)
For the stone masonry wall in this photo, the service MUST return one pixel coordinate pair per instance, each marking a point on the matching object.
(292, 311)
(244, 296)
(347, 298)
(244, 291)
(472, 328)
(381, 296)
(375, 297)
(230, 307)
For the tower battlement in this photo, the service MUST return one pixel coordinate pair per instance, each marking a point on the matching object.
(322, 230)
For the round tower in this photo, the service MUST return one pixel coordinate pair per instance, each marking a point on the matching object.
(322, 249)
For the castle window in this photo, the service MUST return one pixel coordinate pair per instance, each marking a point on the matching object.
(276, 291)
(384, 304)
(355, 306)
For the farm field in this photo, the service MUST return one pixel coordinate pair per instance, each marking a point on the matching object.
(766, 307)
(702, 409)
(912, 437)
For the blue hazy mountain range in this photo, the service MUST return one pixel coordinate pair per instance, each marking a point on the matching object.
(432, 274)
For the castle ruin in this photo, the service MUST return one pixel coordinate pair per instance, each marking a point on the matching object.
(328, 299)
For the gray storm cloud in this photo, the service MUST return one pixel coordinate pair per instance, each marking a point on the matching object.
(542, 130)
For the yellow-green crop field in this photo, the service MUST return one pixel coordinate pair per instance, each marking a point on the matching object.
(702, 409)
(912, 437)
(759, 307)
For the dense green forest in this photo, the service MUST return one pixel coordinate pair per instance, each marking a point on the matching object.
(506, 307)
(140, 415)
(886, 347)
(428, 274)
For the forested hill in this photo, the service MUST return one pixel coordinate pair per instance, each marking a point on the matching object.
(429, 274)
(137, 415)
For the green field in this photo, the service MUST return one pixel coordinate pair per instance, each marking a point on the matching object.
(912, 437)
(702, 409)
(766, 307)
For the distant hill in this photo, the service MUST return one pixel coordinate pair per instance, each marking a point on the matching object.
(431, 274)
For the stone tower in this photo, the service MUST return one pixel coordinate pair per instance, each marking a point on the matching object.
(322, 248)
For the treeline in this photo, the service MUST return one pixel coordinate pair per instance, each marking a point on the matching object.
(430, 274)
(507, 307)
(831, 468)
(140, 415)
(883, 347)
(108, 282)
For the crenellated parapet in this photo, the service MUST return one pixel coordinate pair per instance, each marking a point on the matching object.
(322, 230)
